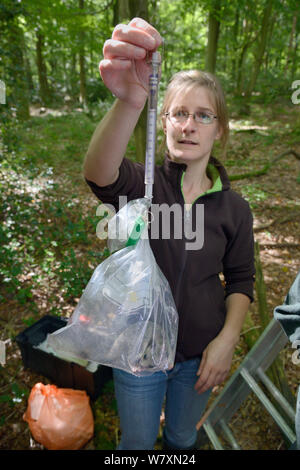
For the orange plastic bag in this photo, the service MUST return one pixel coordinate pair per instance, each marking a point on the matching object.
(59, 418)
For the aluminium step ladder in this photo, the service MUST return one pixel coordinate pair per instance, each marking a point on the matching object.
(245, 380)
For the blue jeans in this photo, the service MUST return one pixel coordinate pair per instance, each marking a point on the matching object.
(297, 419)
(140, 401)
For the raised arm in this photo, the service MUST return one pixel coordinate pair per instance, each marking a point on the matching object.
(125, 71)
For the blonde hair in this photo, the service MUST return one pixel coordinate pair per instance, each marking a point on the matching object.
(188, 79)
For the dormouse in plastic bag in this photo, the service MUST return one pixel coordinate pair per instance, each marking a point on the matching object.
(59, 418)
(127, 226)
(126, 317)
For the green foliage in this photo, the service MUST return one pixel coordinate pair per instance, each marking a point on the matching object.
(14, 395)
(41, 224)
(106, 419)
(253, 194)
(68, 30)
(73, 273)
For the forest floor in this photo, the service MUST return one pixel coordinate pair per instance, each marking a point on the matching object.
(51, 249)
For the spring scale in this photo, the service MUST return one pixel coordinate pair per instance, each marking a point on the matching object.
(151, 125)
(150, 146)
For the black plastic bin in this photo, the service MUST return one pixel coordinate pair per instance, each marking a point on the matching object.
(62, 373)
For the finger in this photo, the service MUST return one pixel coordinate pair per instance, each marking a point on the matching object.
(208, 382)
(217, 380)
(108, 66)
(135, 36)
(117, 49)
(142, 24)
(202, 386)
(205, 377)
(208, 379)
(115, 64)
(202, 364)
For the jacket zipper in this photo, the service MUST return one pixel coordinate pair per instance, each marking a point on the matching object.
(178, 296)
(179, 300)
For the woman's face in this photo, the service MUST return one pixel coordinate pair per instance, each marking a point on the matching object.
(191, 141)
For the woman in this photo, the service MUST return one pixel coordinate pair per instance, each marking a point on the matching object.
(210, 316)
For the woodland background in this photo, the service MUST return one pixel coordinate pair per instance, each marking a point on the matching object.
(54, 98)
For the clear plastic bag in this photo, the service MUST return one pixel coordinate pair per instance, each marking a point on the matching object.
(127, 226)
(126, 317)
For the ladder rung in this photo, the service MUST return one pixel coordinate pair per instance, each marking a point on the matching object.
(229, 435)
(268, 405)
(212, 436)
(276, 394)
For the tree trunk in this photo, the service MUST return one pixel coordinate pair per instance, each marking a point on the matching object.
(261, 47)
(28, 71)
(20, 91)
(13, 68)
(292, 45)
(82, 93)
(235, 32)
(45, 93)
(248, 37)
(240, 74)
(212, 37)
(269, 39)
(82, 74)
(73, 90)
(140, 8)
(294, 60)
(93, 69)
(121, 11)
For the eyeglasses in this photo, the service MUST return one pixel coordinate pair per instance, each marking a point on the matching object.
(201, 117)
